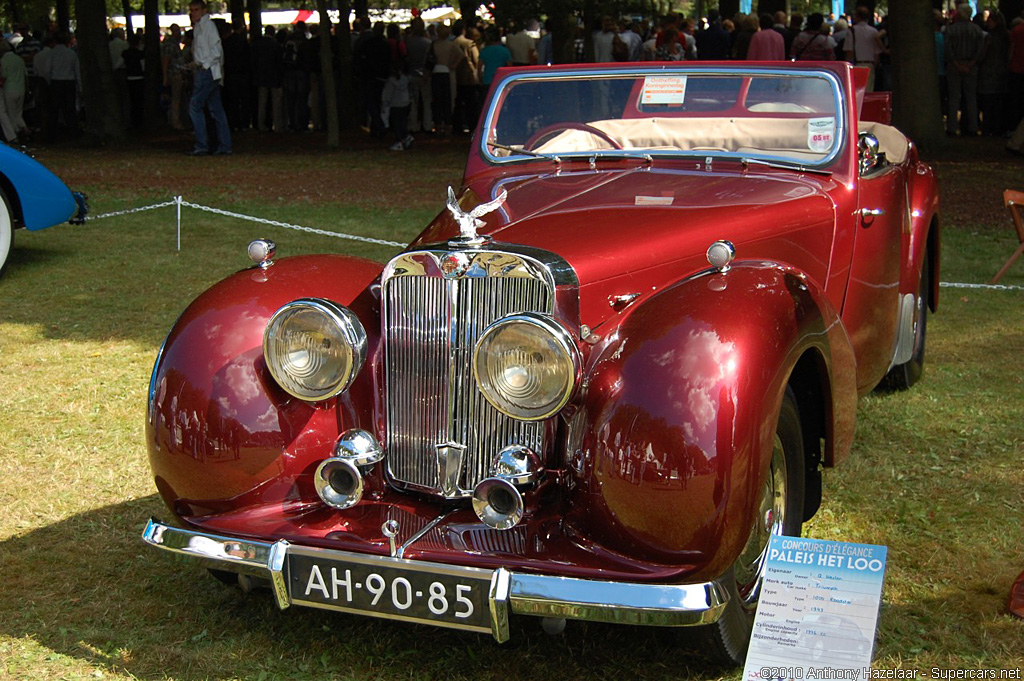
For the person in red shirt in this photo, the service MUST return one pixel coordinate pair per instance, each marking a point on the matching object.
(767, 44)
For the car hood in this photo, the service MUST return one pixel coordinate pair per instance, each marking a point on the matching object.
(630, 233)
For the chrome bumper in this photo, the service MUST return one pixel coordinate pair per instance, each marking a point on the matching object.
(665, 605)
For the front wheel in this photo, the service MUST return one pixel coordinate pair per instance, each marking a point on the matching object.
(780, 512)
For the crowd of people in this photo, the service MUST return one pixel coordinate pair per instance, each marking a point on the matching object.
(433, 77)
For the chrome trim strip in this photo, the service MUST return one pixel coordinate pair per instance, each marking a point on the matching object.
(422, 533)
(841, 119)
(275, 564)
(243, 556)
(479, 261)
(432, 398)
(670, 605)
(501, 585)
(666, 605)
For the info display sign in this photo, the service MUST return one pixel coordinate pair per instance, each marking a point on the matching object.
(818, 610)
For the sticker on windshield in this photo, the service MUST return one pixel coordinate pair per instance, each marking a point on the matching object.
(821, 133)
(664, 90)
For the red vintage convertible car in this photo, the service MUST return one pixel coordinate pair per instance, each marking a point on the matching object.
(593, 387)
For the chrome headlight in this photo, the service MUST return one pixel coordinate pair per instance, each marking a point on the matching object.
(314, 348)
(527, 366)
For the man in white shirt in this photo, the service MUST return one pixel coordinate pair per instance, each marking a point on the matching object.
(65, 76)
(862, 45)
(208, 64)
(523, 47)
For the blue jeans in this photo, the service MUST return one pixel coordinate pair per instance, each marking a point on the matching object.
(206, 92)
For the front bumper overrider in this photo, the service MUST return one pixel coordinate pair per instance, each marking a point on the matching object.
(670, 605)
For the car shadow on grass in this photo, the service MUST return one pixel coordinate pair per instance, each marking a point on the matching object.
(88, 591)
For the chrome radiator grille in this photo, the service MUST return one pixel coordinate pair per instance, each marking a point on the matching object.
(435, 306)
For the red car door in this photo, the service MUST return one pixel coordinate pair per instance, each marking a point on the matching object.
(871, 308)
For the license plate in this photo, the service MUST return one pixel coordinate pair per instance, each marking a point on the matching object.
(431, 593)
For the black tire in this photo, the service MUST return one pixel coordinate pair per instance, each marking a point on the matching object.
(727, 639)
(903, 376)
(6, 232)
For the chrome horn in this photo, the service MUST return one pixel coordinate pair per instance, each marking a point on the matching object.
(339, 479)
(497, 501)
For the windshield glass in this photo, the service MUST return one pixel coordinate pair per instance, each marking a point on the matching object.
(790, 116)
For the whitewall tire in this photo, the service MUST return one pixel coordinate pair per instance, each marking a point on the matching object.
(6, 231)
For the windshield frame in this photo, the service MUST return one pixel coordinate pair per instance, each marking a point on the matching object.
(841, 130)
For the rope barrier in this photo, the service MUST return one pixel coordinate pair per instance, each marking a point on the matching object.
(129, 211)
(178, 202)
(991, 287)
(286, 225)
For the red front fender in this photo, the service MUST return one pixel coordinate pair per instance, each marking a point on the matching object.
(681, 406)
(221, 433)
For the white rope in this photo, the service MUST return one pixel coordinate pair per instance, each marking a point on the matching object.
(990, 287)
(129, 211)
(383, 242)
(179, 202)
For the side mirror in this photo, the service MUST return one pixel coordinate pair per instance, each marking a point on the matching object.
(870, 157)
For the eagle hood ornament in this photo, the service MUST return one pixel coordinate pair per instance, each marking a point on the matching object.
(470, 222)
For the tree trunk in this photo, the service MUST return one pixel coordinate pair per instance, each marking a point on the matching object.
(126, 7)
(237, 10)
(591, 21)
(467, 8)
(255, 9)
(346, 88)
(327, 76)
(1011, 9)
(729, 8)
(102, 109)
(154, 72)
(64, 15)
(916, 103)
(563, 30)
(770, 6)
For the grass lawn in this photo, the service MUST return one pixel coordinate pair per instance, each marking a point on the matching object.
(936, 472)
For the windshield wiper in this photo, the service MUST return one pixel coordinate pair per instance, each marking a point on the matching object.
(784, 166)
(519, 150)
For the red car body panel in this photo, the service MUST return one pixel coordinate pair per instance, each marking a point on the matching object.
(681, 410)
(652, 467)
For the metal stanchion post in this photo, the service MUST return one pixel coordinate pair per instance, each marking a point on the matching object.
(177, 206)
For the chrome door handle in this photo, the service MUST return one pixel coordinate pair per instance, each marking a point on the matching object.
(874, 212)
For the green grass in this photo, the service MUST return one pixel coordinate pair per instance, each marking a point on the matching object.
(935, 474)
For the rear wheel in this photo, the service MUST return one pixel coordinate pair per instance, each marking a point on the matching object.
(6, 231)
(780, 512)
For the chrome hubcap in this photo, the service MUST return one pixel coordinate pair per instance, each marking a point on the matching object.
(770, 519)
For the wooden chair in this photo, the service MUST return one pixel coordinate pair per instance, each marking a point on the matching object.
(1013, 200)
